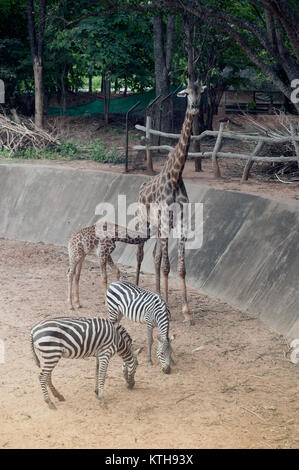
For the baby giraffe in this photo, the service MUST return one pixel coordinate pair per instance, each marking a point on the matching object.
(100, 237)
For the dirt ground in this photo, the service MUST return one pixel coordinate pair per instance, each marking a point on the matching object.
(239, 390)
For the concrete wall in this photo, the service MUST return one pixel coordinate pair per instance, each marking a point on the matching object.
(249, 257)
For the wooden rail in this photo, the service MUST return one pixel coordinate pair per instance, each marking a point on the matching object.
(216, 153)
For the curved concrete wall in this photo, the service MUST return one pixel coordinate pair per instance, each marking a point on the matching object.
(249, 257)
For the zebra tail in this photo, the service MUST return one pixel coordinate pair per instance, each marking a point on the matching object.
(37, 361)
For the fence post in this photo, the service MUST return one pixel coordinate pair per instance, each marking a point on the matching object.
(250, 162)
(295, 143)
(149, 161)
(215, 164)
(148, 124)
(127, 135)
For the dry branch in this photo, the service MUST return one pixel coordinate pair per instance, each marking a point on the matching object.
(17, 134)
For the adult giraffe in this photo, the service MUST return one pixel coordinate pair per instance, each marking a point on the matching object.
(166, 189)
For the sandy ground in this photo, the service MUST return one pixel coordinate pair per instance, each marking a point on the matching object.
(240, 390)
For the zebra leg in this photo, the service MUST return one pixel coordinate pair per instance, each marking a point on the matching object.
(157, 254)
(96, 388)
(140, 254)
(101, 370)
(44, 378)
(149, 344)
(53, 389)
(77, 280)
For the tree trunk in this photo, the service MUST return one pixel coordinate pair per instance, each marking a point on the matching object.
(189, 25)
(90, 83)
(39, 94)
(126, 88)
(196, 143)
(107, 96)
(163, 52)
(37, 22)
(63, 92)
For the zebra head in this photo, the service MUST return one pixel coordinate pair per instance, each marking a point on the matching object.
(129, 367)
(128, 354)
(164, 351)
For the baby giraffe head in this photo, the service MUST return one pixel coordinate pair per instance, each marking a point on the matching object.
(193, 91)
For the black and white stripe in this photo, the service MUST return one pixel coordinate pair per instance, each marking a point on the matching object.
(141, 305)
(79, 338)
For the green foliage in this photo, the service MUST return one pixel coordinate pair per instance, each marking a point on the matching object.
(69, 149)
(98, 152)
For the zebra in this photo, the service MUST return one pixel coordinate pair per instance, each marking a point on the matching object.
(141, 305)
(80, 338)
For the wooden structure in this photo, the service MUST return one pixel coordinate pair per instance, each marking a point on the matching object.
(221, 134)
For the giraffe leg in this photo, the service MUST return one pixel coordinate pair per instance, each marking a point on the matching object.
(77, 280)
(140, 254)
(103, 264)
(182, 275)
(70, 277)
(157, 255)
(113, 267)
(165, 266)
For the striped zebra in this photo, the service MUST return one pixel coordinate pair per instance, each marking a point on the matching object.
(79, 338)
(141, 305)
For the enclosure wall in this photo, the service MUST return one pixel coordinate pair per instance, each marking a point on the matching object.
(249, 256)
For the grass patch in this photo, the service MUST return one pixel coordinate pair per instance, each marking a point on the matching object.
(68, 150)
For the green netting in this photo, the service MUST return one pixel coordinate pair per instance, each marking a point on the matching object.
(117, 106)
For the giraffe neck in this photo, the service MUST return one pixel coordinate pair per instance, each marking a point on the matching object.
(175, 163)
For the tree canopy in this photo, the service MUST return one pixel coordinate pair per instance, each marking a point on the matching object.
(123, 41)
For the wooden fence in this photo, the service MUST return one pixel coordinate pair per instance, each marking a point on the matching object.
(216, 153)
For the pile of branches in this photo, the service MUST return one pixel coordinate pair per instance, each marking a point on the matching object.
(284, 126)
(19, 134)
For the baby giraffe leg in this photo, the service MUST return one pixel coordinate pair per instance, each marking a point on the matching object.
(70, 277)
(113, 267)
(77, 280)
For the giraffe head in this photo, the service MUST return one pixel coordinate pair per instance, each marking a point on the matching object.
(193, 91)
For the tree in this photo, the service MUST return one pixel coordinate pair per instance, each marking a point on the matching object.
(116, 46)
(266, 30)
(215, 60)
(36, 28)
(15, 62)
(163, 41)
